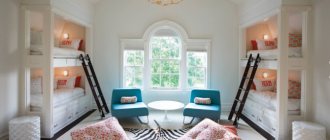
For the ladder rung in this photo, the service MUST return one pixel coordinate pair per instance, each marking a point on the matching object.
(238, 100)
(242, 89)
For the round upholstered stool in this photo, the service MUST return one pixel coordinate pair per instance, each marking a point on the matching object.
(24, 128)
(308, 131)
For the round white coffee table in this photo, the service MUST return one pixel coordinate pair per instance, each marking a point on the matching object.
(166, 105)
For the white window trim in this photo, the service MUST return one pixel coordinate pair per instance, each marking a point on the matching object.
(203, 45)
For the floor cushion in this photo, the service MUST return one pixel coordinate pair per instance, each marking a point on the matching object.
(209, 130)
(103, 130)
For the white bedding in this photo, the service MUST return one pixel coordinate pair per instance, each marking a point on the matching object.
(66, 52)
(60, 96)
(273, 53)
(268, 100)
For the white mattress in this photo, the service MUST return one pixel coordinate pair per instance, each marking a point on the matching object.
(273, 53)
(268, 100)
(61, 96)
(66, 52)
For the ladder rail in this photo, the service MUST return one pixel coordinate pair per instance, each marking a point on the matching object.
(89, 79)
(238, 94)
(245, 88)
(246, 92)
(97, 83)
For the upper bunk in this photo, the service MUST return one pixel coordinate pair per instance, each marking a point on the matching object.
(69, 41)
(263, 37)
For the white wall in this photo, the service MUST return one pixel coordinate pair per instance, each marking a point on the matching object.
(9, 63)
(211, 19)
(321, 68)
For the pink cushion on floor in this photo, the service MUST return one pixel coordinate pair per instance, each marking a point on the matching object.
(209, 130)
(103, 130)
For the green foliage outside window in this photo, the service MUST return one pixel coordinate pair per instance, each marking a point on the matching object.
(133, 68)
(165, 65)
(196, 68)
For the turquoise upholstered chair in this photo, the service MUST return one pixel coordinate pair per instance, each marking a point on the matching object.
(211, 111)
(120, 110)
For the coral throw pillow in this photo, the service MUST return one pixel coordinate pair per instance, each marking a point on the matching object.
(77, 82)
(128, 99)
(264, 84)
(254, 45)
(205, 101)
(294, 90)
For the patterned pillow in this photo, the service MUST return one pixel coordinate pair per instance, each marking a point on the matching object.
(36, 85)
(265, 45)
(264, 84)
(65, 82)
(108, 129)
(128, 99)
(72, 44)
(295, 40)
(294, 89)
(205, 101)
(209, 130)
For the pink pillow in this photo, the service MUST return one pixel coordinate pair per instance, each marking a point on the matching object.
(128, 99)
(209, 130)
(108, 129)
(294, 89)
(264, 84)
(205, 101)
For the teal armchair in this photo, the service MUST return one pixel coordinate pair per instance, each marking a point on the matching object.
(120, 110)
(212, 111)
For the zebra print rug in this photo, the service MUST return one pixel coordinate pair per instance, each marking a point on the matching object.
(156, 134)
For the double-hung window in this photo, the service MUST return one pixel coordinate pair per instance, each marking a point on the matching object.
(196, 69)
(133, 68)
(165, 60)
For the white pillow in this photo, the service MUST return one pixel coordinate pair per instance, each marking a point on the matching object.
(72, 44)
(265, 45)
(200, 100)
(36, 85)
(128, 99)
(264, 84)
(65, 82)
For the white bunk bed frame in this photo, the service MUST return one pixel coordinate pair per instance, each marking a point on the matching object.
(77, 11)
(283, 63)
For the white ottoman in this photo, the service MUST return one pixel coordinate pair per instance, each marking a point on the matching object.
(24, 128)
(308, 131)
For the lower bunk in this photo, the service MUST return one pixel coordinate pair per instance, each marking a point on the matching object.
(68, 106)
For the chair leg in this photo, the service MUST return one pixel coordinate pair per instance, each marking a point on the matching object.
(184, 117)
(143, 122)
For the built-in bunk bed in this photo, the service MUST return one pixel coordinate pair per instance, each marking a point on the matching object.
(266, 108)
(54, 84)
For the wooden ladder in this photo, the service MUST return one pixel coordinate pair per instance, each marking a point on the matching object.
(245, 88)
(94, 85)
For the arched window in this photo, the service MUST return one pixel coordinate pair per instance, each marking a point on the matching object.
(165, 59)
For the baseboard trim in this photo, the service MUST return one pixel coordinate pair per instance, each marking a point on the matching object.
(68, 127)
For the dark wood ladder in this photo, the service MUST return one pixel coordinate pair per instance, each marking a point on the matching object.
(94, 85)
(245, 88)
